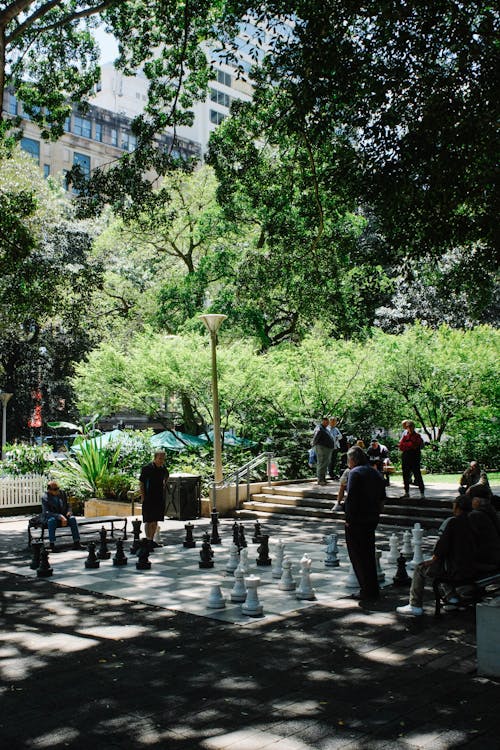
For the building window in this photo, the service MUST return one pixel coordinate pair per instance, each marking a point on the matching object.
(216, 117)
(46, 170)
(67, 125)
(220, 97)
(13, 107)
(224, 78)
(31, 147)
(98, 132)
(82, 126)
(82, 161)
(114, 137)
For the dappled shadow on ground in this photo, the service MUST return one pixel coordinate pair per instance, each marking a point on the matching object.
(79, 669)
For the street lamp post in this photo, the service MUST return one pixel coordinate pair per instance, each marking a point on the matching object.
(213, 322)
(4, 398)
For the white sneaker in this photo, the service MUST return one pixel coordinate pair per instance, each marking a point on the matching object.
(410, 611)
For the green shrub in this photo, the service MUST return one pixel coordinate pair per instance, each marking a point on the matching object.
(26, 459)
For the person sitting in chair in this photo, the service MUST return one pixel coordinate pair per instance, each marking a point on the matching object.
(455, 555)
(56, 512)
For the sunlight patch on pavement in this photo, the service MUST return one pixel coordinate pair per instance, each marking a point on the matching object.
(114, 632)
(385, 656)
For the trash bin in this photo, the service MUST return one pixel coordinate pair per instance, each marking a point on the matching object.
(183, 496)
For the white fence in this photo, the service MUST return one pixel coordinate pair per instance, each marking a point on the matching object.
(22, 491)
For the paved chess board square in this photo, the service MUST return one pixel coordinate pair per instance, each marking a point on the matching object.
(176, 582)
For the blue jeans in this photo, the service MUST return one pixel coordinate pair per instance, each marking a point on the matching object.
(53, 523)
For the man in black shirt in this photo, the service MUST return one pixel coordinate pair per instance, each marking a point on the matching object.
(365, 501)
(152, 488)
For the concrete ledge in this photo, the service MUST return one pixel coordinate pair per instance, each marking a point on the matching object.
(97, 507)
(488, 644)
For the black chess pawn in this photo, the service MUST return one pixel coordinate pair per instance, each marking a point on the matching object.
(257, 533)
(143, 562)
(136, 529)
(236, 533)
(242, 542)
(206, 553)
(263, 550)
(35, 551)
(120, 558)
(214, 537)
(189, 542)
(92, 562)
(103, 552)
(44, 569)
(401, 578)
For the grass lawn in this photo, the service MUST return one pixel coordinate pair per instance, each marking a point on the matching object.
(493, 476)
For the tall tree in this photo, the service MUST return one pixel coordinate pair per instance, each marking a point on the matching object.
(46, 284)
(413, 87)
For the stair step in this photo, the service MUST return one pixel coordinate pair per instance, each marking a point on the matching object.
(252, 509)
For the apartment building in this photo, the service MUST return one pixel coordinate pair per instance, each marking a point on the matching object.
(93, 139)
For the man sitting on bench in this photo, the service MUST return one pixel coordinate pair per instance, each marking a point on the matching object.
(56, 512)
(455, 556)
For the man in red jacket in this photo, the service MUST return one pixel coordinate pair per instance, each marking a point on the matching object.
(410, 446)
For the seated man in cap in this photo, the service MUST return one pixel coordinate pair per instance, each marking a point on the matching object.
(56, 512)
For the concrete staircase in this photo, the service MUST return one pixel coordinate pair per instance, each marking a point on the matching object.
(307, 500)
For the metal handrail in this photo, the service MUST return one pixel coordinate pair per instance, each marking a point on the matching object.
(244, 471)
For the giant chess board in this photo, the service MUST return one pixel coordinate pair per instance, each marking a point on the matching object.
(176, 582)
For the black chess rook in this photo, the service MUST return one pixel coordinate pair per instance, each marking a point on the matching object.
(189, 542)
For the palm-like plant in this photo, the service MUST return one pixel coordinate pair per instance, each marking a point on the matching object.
(88, 468)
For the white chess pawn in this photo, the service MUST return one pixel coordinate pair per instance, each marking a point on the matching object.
(380, 572)
(417, 536)
(305, 590)
(406, 550)
(239, 592)
(351, 580)
(233, 560)
(287, 583)
(393, 555)
(216, 600)
(279, 552)
(252, 606)
(244, 561)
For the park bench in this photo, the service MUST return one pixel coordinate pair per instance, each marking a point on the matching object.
(86, 526)
(482, 584)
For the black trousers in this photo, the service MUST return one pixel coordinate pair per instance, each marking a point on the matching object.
(360, 541)
(410, 464)
(332, 467)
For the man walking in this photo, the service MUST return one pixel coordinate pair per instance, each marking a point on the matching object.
(323, 443)
(364, 502)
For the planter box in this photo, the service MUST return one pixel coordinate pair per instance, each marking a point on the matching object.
(96, 507)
